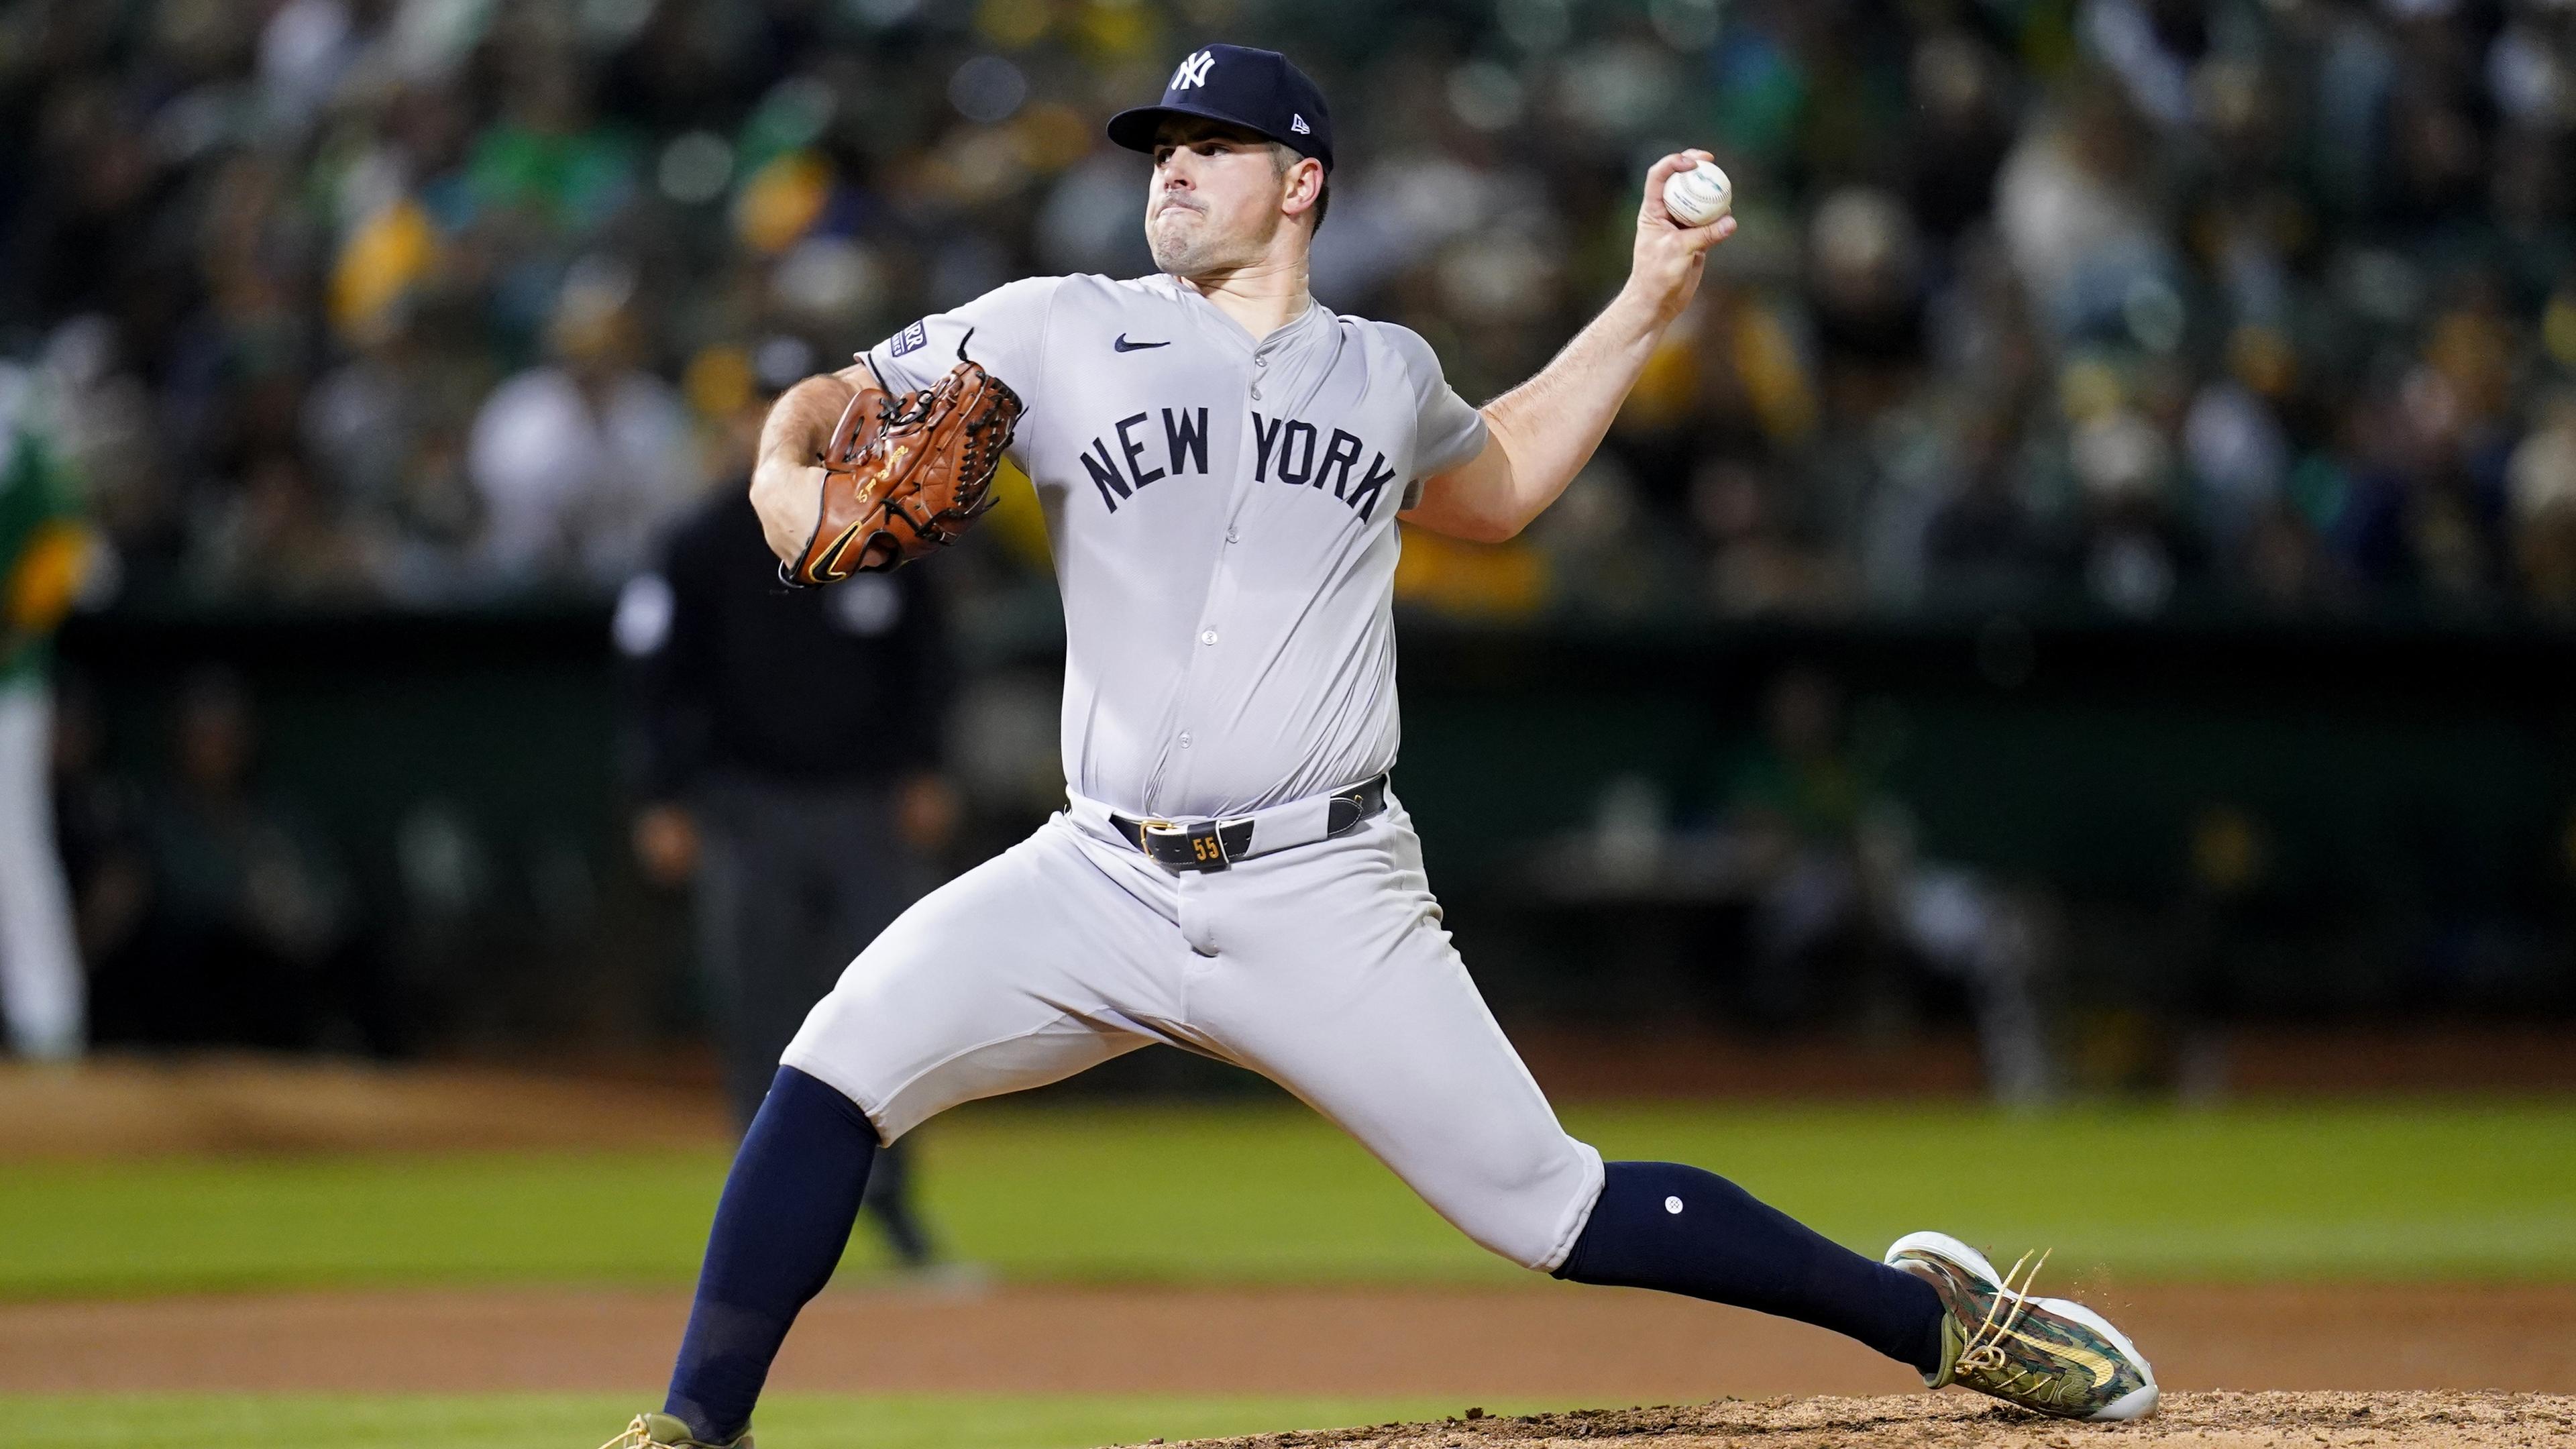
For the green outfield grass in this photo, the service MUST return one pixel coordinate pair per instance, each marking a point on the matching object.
(554, 1421)
(1269, 1194)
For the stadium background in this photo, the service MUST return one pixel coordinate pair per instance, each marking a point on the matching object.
(2119, 486)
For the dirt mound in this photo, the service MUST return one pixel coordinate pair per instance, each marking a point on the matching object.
(215, 1104)
(1959, 1421)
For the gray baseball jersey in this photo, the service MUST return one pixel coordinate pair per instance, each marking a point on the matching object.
(1222, 511)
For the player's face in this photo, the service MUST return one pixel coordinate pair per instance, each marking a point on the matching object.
(1215, 200)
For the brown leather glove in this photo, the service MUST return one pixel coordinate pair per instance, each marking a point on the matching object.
(902, 477)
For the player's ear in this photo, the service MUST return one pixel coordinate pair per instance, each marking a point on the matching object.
(1302, 186)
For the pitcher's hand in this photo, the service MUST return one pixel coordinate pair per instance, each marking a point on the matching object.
(1665, 269)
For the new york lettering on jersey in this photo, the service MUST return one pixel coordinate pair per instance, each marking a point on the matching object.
(1184, 435)
(1196, 480)
(1283, 451)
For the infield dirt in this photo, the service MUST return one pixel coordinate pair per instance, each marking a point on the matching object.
(1544, 1343)
(2216, 1420)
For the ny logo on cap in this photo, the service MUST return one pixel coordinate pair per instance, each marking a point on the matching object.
(1193, 71)
(1298, 124)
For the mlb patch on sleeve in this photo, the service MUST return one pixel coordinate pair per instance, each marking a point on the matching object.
(909, 338)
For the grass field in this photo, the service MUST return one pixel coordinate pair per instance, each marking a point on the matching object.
(579, 1421)
(1269, 1194)
(1263, 1194)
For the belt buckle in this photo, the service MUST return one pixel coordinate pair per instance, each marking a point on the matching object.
(1192, 847)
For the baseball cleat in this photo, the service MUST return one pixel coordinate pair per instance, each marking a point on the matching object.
(668, 1431)
(2048, 1354)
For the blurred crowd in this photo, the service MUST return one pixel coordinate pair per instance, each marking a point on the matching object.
(2128, 305)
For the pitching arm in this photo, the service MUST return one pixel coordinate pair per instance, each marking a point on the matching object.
(1540, 434)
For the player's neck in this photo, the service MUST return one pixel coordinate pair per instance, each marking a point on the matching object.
(1261, 297)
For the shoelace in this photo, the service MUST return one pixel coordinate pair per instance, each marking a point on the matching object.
(1984, 1350)
(635, 1437)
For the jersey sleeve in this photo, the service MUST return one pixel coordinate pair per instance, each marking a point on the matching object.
(1447, 432)
(1005, 329)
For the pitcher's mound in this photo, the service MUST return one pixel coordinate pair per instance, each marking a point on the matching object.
(1959, 1421)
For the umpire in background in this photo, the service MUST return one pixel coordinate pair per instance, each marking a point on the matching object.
(755, 714)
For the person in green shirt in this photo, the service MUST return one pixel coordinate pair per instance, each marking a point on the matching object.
(43, 550)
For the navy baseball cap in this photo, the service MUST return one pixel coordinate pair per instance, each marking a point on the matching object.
(1259, 90)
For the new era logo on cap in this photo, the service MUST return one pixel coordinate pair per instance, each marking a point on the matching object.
(1297, 124)
(1193, 71)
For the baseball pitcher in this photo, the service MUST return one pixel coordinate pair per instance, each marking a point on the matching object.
(1222, 462)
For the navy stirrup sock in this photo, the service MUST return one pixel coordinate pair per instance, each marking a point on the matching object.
(780, 1228)
(1678, 1229)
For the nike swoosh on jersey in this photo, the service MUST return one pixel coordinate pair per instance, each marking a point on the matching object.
(1123, 345)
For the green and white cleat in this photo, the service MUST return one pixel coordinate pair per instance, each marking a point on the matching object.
(668, 1431)
(2049, 1354)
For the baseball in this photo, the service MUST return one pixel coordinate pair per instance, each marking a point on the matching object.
(1700, 195)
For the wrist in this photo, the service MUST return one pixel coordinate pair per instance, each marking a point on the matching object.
(1641, 312)
(801, 422)
(787, 459)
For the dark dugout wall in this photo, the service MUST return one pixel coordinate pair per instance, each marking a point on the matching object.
(2300, 821)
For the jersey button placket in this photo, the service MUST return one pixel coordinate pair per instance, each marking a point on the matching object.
(1208, 635)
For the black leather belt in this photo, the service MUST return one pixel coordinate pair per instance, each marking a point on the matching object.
(1217, 844)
